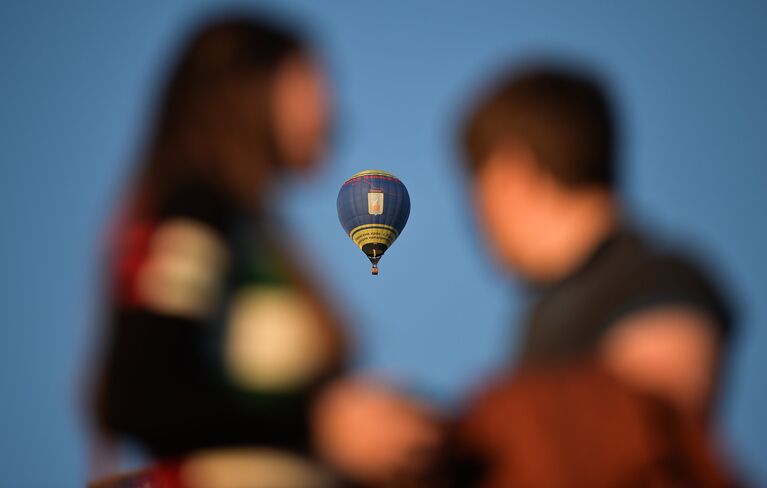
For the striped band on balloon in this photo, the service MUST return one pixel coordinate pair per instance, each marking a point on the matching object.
(371, 172)
(373, 234)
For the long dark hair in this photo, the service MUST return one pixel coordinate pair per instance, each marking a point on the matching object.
(214, 121)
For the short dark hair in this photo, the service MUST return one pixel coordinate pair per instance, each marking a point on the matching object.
(562, 114)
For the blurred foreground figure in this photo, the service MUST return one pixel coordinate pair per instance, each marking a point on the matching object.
(223, 361)
(577, 426)
(541, 149)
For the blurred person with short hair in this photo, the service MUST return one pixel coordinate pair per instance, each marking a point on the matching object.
(223, 360)
(618, 320)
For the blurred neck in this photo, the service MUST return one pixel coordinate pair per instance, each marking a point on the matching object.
(579, 222)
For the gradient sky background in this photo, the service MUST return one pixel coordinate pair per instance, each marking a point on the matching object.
(75, 87)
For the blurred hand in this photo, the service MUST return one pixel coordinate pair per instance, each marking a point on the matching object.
(373, 434)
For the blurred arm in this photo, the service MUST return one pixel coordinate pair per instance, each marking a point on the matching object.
(671, 351)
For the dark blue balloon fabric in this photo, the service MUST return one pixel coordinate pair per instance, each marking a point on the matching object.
(373, 207)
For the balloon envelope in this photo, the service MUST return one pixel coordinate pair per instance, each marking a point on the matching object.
(373, 207)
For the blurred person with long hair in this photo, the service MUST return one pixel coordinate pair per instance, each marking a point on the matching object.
(623, 345)
(222, 356)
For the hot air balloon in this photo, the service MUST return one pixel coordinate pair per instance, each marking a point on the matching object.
(373, 207)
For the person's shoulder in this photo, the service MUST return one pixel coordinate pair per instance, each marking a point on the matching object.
(197, 202)
(172, 259)
(672, 273)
